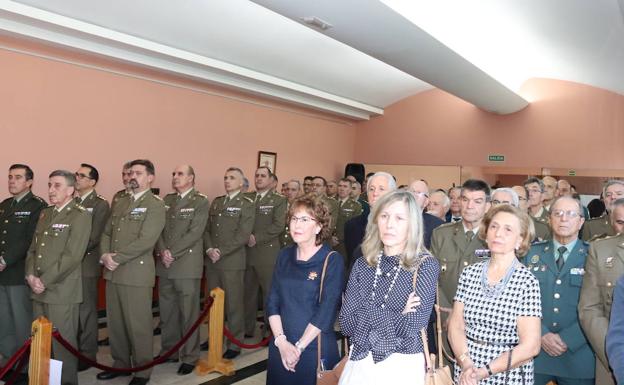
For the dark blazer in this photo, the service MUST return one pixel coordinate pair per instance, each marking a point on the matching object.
(354, 230)
(430, 222)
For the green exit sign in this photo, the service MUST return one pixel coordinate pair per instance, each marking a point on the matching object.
(496, 158)
(571, 172)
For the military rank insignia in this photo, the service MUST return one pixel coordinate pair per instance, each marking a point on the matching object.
(535, 259)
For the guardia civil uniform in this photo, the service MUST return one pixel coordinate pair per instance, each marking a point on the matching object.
(98, 207)
(560, 291)
(347, 209)
(135, 223)
(230, 223)
(18, 218)
(597, 228)
(55, 256)
(269, 222)
(179, 285)
(605, 264)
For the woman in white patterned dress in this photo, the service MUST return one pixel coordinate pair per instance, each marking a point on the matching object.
(494, 328)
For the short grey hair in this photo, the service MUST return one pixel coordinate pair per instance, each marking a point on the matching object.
(295, 181)
(69, 176)
(610, 183)
(578, 202)
(515, 201)
(391, 182)
(446, 202)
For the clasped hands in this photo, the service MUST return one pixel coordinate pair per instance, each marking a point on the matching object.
(35, 283)
(289, 354)
(214, 254)
(107, 260)
(553, 345)
(166, 258)
(471, 375)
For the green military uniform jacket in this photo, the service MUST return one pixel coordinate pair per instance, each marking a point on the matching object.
(98, 207)
(543, 217)
(605, 264)
(17, 226)
(132, 232)
(182, 235)
(349, 209)
(269, 222)
(333, 211)
(451, 247)
(228, 229)
(56, 251)
(118, 196)
(542, 229)
(597, 228)
(560, 291)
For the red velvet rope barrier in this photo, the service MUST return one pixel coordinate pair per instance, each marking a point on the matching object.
(20, 365)
(20, 352)
(243, 345)
(153, 363)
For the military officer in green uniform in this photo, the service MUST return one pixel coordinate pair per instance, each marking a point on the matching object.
(601, 226)
(454, 244)
(18, 218)
(230, 223)
(559, 265)
(179, 265)
(53, 265)
(87, 177)
(347, 208)
(127, 246)
(263, 245)
(319, 187)
(293, 190)
(605, 264)
(535, 187)
(125, 180)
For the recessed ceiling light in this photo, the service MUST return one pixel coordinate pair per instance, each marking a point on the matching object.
(316, 22)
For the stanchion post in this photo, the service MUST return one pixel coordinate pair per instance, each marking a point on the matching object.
(215, 361)
(40, 349)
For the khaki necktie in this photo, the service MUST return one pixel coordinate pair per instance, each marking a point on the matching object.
(469, 235)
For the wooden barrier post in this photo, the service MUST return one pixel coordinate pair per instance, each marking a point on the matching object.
(40, 349)
(215, 361)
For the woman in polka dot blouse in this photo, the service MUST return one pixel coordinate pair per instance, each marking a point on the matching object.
(382, 312)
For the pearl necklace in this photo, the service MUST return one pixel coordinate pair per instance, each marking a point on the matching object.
(378, 273)
(494, 290)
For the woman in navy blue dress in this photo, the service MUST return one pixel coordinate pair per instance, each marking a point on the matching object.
(295, 313)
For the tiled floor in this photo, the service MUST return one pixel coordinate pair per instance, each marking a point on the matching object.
(166, 373)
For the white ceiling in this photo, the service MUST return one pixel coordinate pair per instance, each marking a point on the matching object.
(378, 51)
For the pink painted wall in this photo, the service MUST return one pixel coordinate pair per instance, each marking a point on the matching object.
(567, 125)
(57, 115)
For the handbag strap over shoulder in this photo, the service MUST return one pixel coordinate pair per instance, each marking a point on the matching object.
(318, 348)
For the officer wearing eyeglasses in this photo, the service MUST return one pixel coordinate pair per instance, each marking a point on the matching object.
(559, 264)
(87, 177)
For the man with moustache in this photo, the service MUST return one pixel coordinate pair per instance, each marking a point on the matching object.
(127, 245)
(87, 177)
(179, 266)
(558, 264)
(263, 245)
(604, 265)
(601, 226)
(125, 179)
(18, 218)
(230, 224)
(53, 266)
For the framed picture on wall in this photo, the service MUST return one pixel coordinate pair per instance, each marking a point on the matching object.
(267, 159)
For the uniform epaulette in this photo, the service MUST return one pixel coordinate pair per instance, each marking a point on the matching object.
(446, 225)
(101, 197)
(81, 208)
(597, 218)
(540, 242)
(602, 237)
(171, 193)
(201, 195)
(157, 197)
(220, 196)
(39, 199)
(7, 199)
(248, 199)
(279, 194)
